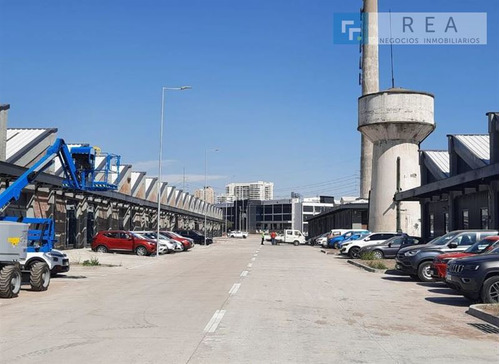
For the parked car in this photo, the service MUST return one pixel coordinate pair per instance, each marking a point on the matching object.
(238, 234)
(352, 248)
(417, 261)
(337, 241)
(173, 245)
(389, 248)
(439, 265)
(331, 234)
(122, 241)
(187, 243)
(322, 239)
(163, 248)
(197, 236)
(476, 277)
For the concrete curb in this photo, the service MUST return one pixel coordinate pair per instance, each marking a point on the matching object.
(479, 312)
(327, 252)
(365, 267)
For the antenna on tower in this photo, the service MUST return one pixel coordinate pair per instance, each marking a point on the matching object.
(392, 55)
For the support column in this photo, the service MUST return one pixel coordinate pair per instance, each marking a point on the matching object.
(369, 84)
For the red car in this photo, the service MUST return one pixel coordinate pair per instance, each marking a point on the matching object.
(120, 240)
(438, 269)
(186, 242)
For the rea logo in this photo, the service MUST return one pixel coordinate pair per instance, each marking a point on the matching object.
(412, 28)
(347, 28)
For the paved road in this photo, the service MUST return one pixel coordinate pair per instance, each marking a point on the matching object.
(239, 302)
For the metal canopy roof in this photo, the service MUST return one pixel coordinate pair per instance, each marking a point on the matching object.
(438, 162)
(45, 179)
(479, 145)
(455, 183)
(348, 206)
(20, 141)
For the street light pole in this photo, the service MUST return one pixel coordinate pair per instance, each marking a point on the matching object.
(160, 156)
(205, 195)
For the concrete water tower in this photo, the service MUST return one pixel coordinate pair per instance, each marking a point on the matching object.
(396, 121)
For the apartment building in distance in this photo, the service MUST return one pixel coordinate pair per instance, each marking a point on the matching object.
(209, 195)
(259, 190)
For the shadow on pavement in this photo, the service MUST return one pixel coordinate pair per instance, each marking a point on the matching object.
(450, 301)
(68, 277)
(399, 279)
(448, 291)
(395, 272)
(432, 284)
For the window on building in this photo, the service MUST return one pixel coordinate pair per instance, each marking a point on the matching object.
(287, 209)
(484, 218)
(431, 225)
(465, 219)
(268, 209)
(287, 217)
(308, 209)
(278, 209)
(446, 223)
(318, 209)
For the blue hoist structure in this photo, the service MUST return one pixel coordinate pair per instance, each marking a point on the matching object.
(80, 174)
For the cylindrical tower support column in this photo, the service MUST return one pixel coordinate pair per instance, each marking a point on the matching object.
(369, 84)
(396, 121)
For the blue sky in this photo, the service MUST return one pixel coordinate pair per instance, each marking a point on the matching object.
(270, 89)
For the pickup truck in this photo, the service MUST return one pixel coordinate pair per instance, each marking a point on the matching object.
(294, 237)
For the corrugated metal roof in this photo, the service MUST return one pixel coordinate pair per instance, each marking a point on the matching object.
(149, 181)
(17, 139)
(134, 177)
(479, 145)
(441, 158)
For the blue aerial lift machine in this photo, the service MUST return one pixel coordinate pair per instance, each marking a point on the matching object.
(81, 174)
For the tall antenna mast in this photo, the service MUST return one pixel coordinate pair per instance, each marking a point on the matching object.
(392, 56)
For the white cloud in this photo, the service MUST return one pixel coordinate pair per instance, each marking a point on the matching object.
(151, 166)
(172, 178)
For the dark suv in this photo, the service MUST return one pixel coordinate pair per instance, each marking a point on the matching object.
(197, 237)
(417, 261)
(475, 277)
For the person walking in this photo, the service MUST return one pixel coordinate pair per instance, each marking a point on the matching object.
(273, 238)
(263, 236)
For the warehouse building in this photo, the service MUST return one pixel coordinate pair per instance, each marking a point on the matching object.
(459, 188)
(347, 215)
(78, 215)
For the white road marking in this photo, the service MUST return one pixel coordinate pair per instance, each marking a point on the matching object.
(214, 321)
(244, 273)
(234, 289)
(249, 265)
(253, 259)
(255, 255)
